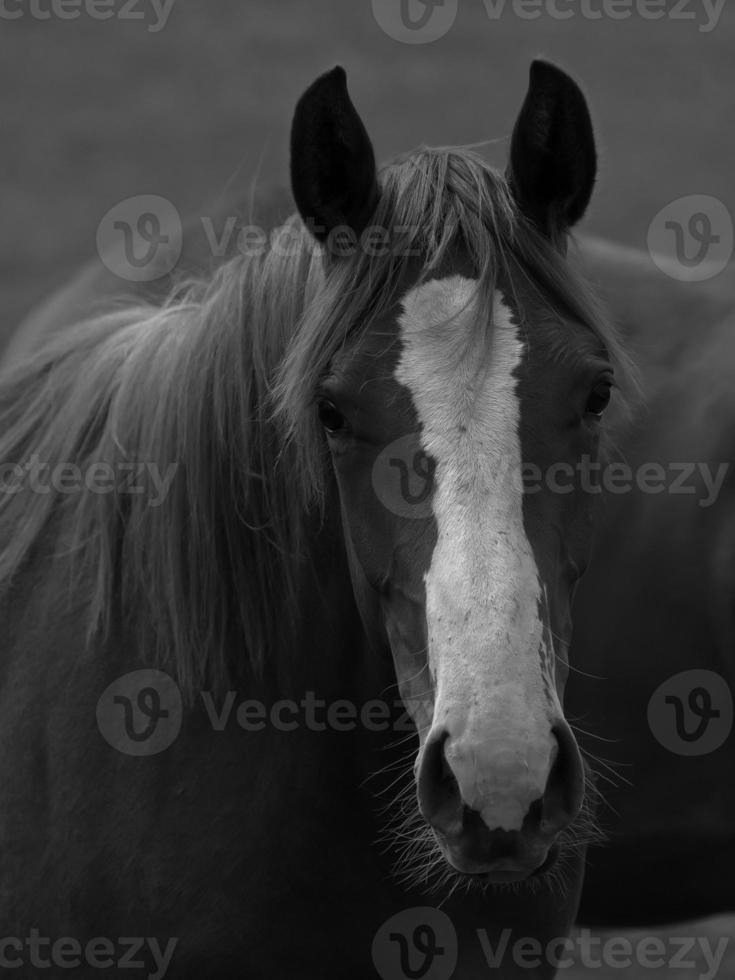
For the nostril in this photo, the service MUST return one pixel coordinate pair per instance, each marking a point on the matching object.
(535, 816)
(565, 786)
(438, 793)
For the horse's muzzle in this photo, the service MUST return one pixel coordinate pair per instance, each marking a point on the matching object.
(498, 810)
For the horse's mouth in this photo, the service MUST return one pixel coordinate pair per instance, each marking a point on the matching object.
(509, 875)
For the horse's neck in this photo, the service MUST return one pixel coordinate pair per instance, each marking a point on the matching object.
(327, 653)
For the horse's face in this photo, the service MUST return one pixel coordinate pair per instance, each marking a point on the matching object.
(474, 587)
(448, 439)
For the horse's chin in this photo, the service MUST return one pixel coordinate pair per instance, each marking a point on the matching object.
(504, 871)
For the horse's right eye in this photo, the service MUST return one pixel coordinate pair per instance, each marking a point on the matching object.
(599, 399)
(330, 416)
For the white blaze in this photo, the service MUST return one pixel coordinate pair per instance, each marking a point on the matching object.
(482, 588)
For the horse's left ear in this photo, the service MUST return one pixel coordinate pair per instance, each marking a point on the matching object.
(553, 161)
(333, 176)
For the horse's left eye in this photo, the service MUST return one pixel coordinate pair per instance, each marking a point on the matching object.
(330, 416)
(599, 399)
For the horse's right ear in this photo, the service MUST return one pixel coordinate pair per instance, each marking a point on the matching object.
(553, 161)
(333, 175)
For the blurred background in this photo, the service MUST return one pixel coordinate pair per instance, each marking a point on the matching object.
(96, 111)
(194, 103)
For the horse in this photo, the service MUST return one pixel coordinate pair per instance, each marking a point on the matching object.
(286, 598)
(678, 868)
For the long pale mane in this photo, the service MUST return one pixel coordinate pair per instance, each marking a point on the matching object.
(219, 383)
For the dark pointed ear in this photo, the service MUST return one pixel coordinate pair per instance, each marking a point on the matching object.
(553, 161)
(333, 176)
